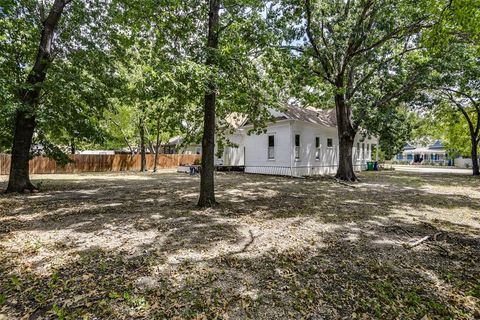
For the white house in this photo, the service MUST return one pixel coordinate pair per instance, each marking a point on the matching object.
(300, 142)
(432, 154)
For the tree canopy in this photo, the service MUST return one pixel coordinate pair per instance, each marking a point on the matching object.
(129, 74)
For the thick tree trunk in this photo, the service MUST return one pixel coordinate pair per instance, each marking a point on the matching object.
(207, 181)
(475, 168)
(143, 163)
(346, 136)
(157, 146)
(19, 179)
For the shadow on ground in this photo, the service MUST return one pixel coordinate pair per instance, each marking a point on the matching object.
(137, 247)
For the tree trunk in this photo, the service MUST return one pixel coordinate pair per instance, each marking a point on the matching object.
(19, 179)
(476, 171)
(72, 146)
(143, 163)
(207, 182)
(346, 136)
(157, 146)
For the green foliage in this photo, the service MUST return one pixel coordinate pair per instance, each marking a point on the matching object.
(79, 79)
(453, 99)
(457, 20)
(119, 63)
(365, 54)
(451, 127)
(392, 126)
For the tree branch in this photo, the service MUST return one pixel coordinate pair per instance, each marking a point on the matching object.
(394, 34)
(381, 64)
(313, 42)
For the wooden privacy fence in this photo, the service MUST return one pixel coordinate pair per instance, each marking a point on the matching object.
(101, 163)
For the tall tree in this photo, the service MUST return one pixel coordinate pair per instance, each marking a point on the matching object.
(57, 89)
(28, 96)
(356, 47)
(236, 62)
(207, 187)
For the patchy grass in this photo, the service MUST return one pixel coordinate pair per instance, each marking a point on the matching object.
(122, 246)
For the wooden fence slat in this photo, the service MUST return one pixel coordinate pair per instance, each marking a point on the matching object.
(100, 163)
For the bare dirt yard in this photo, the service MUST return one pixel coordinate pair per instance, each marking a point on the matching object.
(134, 246)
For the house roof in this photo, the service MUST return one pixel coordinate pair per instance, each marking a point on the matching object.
(408, 147)
(177, 141)
(436, 145)
(236, 120)
(326, 118)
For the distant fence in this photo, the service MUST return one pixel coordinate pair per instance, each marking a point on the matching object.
(101, 163)
(463, 163)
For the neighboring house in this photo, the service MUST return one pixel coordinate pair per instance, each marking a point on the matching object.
(434, 153)
(175, 145)
(300, 142)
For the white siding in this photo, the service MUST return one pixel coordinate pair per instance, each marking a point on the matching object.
(256, 151)
(253, 150)
(307, 164)
(235, 155)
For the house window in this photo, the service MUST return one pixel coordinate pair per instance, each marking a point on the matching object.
(329, 142)
(363, 150)
(317, 148)
(368, 150)
(271, 147)
(198, 150)
(297, 146)
(358, 150)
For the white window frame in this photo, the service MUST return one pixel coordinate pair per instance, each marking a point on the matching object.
(330, 140)
(270, 149)
(297, 148)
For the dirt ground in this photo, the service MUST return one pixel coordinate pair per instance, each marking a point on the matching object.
(134, 246)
